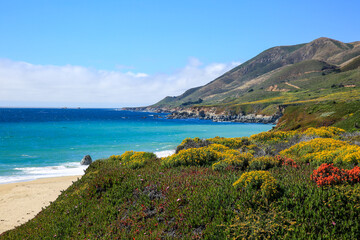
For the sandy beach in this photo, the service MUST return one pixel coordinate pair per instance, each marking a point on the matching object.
(21, 201)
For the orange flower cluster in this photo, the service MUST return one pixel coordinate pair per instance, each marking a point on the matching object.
(327, 174)
(285, 161)
(354, 174)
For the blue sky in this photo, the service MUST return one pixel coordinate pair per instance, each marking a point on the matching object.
(156, 39)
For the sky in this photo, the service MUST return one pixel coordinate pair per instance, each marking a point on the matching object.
(113, 53)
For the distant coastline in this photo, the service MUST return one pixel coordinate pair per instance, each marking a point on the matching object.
(204, 113)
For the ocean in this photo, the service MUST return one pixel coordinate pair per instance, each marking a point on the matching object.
(38, 143)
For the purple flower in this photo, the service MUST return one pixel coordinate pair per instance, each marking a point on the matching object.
(333, 223)
(178, 199)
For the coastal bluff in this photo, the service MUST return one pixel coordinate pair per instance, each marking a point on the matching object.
(213, 114)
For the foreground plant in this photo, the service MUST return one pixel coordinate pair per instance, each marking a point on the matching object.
(328, 175)
(258, 180)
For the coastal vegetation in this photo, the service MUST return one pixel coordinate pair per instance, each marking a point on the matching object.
(299, 184)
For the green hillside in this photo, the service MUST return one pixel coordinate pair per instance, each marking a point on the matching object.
(278, 65)
(317, 72)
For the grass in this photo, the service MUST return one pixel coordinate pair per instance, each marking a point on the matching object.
(340, 114)
(165, 201)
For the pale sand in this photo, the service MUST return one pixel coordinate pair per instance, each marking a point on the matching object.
(19, 202)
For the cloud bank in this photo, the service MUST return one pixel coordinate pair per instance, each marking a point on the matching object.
(28, 85)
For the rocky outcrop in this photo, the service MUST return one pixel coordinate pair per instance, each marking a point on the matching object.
(213, 114)
(86, 160)
(248, 118)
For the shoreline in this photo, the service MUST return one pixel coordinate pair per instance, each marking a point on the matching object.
(21, 201)
(206, 113)
(77, 172)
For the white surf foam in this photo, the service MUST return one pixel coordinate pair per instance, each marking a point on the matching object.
(67, 169)
(32, 173)
(165, 153)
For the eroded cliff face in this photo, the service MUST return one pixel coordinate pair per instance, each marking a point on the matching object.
(212, 113)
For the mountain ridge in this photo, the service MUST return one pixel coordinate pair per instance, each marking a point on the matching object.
(262, 87)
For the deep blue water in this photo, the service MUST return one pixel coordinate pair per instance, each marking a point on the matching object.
(37, 143)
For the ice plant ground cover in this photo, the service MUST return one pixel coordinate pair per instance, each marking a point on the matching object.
(270, 185)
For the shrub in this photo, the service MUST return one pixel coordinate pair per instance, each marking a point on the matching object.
(287, 161)
(115, 157)
(261, 223)
(264, 163)
(258, 180)
(139, 159)
(327, 174)
(325, 132)
(192, 156)
(234, 143)
(324, 150)
(192, 143)
(272, 137)
(217, 147)
(353, 175)
(232, 159)
(125, 157)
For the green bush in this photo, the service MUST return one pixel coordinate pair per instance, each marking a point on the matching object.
(192, 143)
(234, 143)
(258, 180)
(234, 160)
(263, 163)
(139, 159)
(191, 157)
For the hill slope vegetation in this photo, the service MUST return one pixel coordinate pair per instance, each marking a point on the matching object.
(322, 71)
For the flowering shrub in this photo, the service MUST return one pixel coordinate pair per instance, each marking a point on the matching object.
(277, 136)
(126, 156)
(139, 159)
(354, 175)
(324, 150)
(218, 148)
(327, 174)
(133, 159)
(186, 140)
(258, 180)
(234, 143)
(283, 136)
(325, 132)
(264, 163)
(192, 143)
(312, 146)
(286, 161)
(232, 159)
(115, 157)
(191, 156)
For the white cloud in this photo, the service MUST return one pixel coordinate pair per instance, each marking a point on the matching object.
(25, 84)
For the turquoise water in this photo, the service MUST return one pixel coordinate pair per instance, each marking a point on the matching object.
(37, 143)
